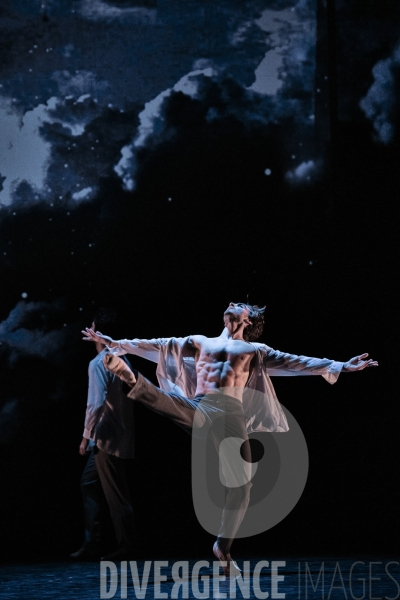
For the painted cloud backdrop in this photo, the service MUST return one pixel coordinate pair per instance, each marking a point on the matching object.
(73, 112)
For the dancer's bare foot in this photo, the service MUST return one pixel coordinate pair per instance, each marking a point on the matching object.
(230, 567)
(116, 365)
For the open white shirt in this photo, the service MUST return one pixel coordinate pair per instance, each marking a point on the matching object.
(263, 412)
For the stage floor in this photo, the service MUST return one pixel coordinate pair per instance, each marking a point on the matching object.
(339, 578)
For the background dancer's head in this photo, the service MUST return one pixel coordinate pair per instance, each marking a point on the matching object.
(105, 321)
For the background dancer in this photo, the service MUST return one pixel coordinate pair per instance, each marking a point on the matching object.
(109, 436)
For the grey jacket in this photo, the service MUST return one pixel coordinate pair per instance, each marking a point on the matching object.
(109, 420)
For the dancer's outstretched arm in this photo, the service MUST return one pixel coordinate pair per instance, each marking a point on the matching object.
(281, 363)
(148, 349)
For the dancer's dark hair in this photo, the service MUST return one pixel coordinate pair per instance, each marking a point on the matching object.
(256, 315)
(105, 321)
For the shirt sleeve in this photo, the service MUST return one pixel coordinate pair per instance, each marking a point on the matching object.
(149, 349)
(99, 379)
(278, 363)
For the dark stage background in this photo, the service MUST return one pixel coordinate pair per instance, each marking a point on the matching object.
(166, 158)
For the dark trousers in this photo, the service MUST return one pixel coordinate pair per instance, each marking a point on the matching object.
(226, 420)
(104, 484)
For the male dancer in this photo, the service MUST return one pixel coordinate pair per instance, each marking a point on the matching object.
(109, 436)
(199, 368)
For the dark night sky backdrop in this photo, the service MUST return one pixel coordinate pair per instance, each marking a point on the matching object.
(164, 158)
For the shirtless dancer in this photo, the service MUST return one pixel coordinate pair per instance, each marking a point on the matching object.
(224, 362)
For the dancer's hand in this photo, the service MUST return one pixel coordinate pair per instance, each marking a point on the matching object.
(83, 446)
(358, 363)
(96, 336)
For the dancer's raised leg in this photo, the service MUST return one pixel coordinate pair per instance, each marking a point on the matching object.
(177, 408)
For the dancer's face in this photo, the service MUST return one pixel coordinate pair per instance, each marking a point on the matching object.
(235, 314)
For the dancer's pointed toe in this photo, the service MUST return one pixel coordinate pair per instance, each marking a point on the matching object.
(229, 566)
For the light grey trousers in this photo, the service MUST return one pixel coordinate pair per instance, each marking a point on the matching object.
(225, 418)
